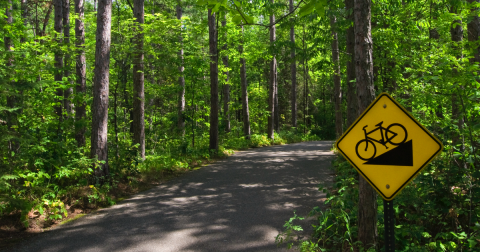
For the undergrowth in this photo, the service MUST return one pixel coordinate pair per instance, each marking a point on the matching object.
(46, 183)
(438, 211)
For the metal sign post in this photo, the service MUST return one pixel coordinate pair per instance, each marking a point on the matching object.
(389, 218)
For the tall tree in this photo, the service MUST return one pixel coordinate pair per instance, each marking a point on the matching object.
(367, 202)
(336, 79)
(58, 26)
(12, 116)
(181, 78)
(350, 48)
(24, 7)
(243, 83)
(213, 45)
(101, 87)
(81, 72)
(474, 32)
(294, 71)
(67, 103)
(226, 87)
(456, 32)
(273, 79)
(138, 80)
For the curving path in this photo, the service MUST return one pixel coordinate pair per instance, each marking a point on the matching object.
(236, 204)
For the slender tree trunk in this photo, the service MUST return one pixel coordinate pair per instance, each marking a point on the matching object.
(181, 80)
(94, 5)
(139, 80)
(367, 211)
(81, 71)
(305, 83)
(101, 87)
(47, 18)
(243, 83)
(273, 79)
(67, 103)
(336, 79)
(351, 85)
(474, 32)
(58, 26)
(276, 110)
(213, 44)
(456, 32)
(12, 117)
(294, 72)
(23, 5)
(226, 87)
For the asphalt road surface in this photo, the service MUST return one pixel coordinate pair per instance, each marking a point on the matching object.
(236, 204)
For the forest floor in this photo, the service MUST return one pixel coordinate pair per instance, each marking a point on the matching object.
(235, 204)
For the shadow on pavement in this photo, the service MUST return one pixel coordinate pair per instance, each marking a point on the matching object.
(236, 204)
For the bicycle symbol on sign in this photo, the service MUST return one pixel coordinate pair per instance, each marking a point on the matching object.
(388, 136)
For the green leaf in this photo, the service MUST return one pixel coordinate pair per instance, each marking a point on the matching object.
(307, 8)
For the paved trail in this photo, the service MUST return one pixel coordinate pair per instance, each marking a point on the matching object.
(236, 204)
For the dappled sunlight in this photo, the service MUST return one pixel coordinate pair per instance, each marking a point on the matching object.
(239, 204)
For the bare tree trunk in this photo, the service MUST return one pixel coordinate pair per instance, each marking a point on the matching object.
(243, 83)
(58, 26)
(181, 80)
(294, 72)
(101, 87)
(46, 19)
(67, 104)
(139, 80)
(336, 79)
(351, 85)
(23, 5)
(474, 32)
(81, 71)
(367, 211)
(94, 5)
(213, 44)
(226, 87)
(12, 116)
(456, 32)
(273, 80)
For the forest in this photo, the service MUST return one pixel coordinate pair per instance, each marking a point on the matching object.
(100, 94)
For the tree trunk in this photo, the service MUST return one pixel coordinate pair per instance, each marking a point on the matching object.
(46, 19)
(67, 103)
(273, 79)
(336, 79)
(181, 80)
(138, 80)
(367, 211)
(81, 71)
(226, 87)
(351, 85)
(12, 117)
(23, 5)
(58, 26)
(294, 73)
(243, 83)
(213, 43)
(456, 32)
(101, 87)
(474, 32)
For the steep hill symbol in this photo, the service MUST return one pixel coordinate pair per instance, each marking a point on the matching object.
(400, 156)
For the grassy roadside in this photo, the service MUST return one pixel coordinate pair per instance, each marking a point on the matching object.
(79, 199)
(436, 212)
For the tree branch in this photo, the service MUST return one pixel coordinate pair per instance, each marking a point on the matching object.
(268, 26)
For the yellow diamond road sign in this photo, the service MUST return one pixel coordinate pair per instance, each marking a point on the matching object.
(387, 146)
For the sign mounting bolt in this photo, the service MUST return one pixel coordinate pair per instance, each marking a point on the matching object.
(388, 186)
(384, 105)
